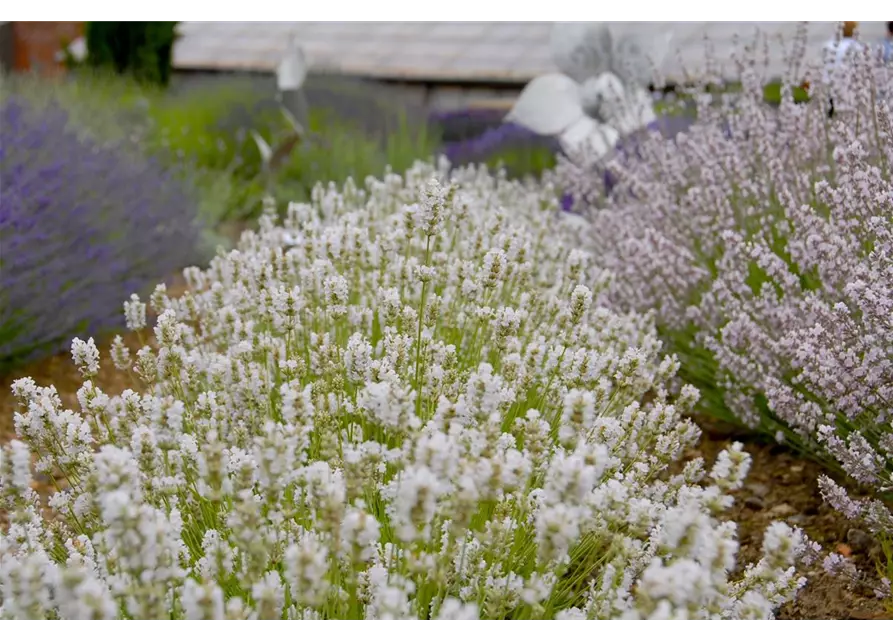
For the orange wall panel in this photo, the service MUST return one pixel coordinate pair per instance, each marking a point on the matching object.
(36, 44)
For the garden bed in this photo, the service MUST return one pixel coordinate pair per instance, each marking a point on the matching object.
(780, 486)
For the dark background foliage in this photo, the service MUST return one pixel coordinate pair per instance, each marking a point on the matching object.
(141, 49)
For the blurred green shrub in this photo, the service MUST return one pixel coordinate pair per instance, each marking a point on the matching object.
(142, 50)
(340, 148)
(201, 126)
(206, 123)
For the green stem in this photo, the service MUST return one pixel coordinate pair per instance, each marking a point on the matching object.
(418, 343)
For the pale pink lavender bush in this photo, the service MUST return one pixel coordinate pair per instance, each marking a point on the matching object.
(763, 240)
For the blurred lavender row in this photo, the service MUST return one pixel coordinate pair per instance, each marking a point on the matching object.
(506, 141)
(466, 124)
(82, 226)
(476, 136)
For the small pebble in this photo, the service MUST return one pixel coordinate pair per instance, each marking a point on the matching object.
(758, 489)
(781, 510)
(858, 540)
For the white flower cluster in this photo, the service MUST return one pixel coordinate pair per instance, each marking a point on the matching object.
(404, 402)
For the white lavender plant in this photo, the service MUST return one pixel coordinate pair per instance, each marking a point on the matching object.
(405, 401)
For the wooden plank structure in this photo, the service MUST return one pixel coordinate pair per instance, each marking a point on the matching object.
(454, 64)
(462, 52)
(467, 64)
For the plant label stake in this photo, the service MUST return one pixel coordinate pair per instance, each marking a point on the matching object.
(290, 76)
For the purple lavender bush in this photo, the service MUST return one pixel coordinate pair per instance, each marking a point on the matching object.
(519, 150)
(762, 239)
(466, 124)
(82, 226)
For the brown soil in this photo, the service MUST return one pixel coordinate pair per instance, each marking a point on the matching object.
(780, 486)
(60, 372)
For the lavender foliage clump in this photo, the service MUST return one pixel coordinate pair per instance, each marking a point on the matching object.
(763, 240)
(82, 226)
